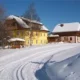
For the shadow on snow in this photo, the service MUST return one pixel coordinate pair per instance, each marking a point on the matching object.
(41, 73)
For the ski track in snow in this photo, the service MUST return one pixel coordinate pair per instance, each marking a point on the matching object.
(18, 66)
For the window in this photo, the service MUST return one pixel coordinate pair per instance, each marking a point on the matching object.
(27, 33)
(36, 34)
(22, 33)
(14, 24)
(36, 41)
(31, 42)
(28, 42)
(41, 34)
(41, 41)
(44, 34)
(45, 41)
(65, 38)
(35, 27)
(18, 33)
(70, 38)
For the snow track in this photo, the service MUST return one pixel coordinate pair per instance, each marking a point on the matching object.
(18, 65)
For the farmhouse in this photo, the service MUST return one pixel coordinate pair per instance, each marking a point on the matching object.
(26, 32)
(68, 32)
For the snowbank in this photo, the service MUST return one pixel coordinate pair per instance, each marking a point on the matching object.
(45, 62)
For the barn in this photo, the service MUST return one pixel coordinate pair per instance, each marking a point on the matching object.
(68, 32)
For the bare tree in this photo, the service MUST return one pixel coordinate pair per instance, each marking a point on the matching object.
(32, 15)
(3, 33)
(1, 13)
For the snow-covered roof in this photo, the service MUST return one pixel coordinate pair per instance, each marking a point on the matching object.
(67, 27)
(15, 39)
(33, 21)
(23, 24)
(19, 21)
(44, 28)
(51, 35)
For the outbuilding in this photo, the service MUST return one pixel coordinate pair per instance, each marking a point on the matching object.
(68, 32)
(16, 42)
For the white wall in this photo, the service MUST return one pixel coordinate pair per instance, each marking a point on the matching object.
(78, 39)
(67, 39)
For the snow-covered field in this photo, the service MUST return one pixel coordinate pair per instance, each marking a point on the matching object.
(56, 61)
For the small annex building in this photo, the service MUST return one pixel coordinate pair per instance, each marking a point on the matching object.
(31, 32)
(68, 32)
(53, 38)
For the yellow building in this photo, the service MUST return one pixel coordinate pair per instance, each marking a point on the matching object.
(33, 32)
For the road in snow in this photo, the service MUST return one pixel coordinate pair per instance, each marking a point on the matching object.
(23, 64)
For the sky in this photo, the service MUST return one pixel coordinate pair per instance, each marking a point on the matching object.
(51, 12)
